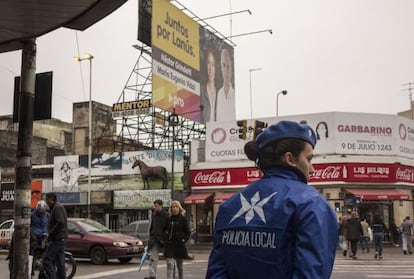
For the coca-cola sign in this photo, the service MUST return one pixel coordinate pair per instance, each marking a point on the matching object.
(327, 173)
(235, 177)
(404, 174)
(353, 172)
(216, 177)
(323, 173)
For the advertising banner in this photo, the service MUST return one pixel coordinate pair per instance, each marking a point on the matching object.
(176, 60)
(324, 173)
(405, 137)
(114, 171)
(140, 199)
(192, 68)
(336, 132)
(6, 195)
(212, 178)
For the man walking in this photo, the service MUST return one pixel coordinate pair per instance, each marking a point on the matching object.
(58, 233)
(158, 228)
(407, 232)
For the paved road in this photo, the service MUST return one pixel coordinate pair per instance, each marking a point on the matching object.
(394, 265)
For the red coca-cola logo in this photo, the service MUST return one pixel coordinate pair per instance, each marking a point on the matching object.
(215, 177)
(330, 172)
(403, 174)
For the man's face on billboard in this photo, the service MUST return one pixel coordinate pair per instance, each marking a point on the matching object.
(226, 66)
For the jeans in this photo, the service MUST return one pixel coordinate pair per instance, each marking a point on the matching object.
(378, 237)
(407, 243)
(364, 243)
(171, 263)
(55, 255)
(155, 250)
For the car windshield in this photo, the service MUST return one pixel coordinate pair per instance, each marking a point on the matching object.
(93, 226)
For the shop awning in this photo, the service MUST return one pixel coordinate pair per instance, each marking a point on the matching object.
(378, 194)
(221, 197)
(197, 198)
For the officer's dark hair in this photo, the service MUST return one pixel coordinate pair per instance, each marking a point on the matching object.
(272, 154)
(159, 202)
(51, 195)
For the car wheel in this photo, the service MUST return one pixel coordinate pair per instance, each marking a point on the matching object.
(98, 255)
(125, 260)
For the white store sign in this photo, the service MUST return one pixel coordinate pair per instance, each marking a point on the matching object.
(337, 133)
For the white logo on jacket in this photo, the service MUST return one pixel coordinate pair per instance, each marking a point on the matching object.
(255, 206)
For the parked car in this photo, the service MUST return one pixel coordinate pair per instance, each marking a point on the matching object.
(139, 229)
(90, 239)
(6, 232)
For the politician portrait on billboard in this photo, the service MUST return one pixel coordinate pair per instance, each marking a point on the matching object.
(217, 78)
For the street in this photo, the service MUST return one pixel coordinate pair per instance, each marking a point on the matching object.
(395, 265)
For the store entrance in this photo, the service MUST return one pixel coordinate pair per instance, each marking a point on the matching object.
(367, 210)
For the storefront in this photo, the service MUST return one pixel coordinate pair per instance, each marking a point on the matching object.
(370, 188)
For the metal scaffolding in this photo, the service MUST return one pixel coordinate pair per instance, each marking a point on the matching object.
(152, 130)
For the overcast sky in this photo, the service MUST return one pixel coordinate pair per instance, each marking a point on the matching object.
(331, 55)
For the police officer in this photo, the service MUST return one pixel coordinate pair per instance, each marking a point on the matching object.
(278, 226)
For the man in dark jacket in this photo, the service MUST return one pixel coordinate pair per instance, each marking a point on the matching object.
(58, 233)
(158, 228)
(353, 232)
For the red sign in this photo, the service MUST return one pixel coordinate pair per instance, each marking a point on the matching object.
(224, 177)
(334, 172)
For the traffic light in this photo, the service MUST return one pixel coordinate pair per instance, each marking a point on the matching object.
(258, 127)
(242, 124)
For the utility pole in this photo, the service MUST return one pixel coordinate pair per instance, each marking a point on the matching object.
(410, 95)
(22, 210)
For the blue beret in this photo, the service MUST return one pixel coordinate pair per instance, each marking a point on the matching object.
(286, 129)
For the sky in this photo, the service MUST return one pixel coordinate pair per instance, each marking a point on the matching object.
(330, 55)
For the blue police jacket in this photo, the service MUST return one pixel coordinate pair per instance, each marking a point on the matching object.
(277, 227)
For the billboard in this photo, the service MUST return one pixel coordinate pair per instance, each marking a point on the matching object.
(192, 69)
(114, 171)
(337, 133)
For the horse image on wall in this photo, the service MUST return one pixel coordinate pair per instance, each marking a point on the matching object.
(153, 172)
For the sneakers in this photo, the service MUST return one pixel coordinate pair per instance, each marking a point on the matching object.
(405, 252)
(344, 253)
(376, 255)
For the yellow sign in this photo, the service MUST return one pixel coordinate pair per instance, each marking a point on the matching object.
(175, 33)
(131, 108)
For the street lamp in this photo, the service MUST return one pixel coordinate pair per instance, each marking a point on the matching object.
(250, 79)
(283, 92)
(89, 57)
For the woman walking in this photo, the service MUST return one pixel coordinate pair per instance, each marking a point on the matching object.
(178, 233)
(378, 228)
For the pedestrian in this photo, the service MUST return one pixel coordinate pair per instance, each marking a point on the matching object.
(177, 235)
(57, 235)
(158, 228)
(342, 232)
(39, 224)
(378, 229)
(353, 233)
(407, 232)
(395, 233)
(278, 226)
(364, 240)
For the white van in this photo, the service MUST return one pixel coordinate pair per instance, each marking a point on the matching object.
(6, 232)
(139, 229)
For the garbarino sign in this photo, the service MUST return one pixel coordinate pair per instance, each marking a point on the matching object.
(336, 132)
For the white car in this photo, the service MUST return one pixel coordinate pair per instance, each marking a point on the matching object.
(6, 232)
